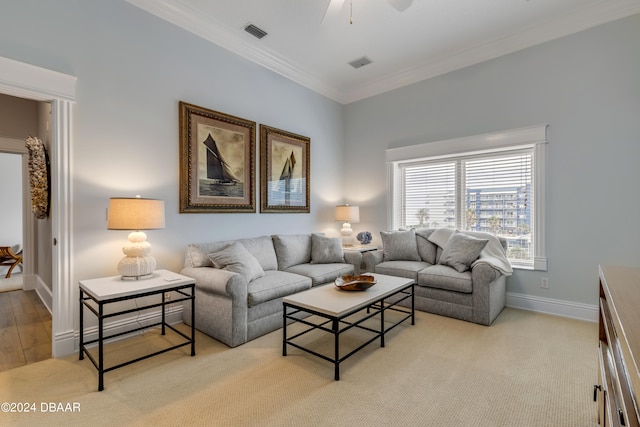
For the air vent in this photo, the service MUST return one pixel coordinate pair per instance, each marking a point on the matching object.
(360, 62)
(255, 31)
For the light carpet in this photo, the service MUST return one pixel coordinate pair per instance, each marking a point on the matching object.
(527, 369)
(13, 283)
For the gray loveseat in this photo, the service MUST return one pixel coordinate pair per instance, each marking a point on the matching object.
(240, 283)
(458, 274)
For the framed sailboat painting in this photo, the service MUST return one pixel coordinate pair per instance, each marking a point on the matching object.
(217, 166)
(284, 171)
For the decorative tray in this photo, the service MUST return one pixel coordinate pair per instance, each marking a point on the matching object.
(355, 283)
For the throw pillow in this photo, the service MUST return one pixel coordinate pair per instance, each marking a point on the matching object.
(461, 250)
(292, 249)
(426, 248)
(237, 259)
(399, 245)
(326, 250)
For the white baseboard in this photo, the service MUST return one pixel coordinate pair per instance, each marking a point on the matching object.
(64, 344)
(557, 307)
(45, 294)
(173, 316)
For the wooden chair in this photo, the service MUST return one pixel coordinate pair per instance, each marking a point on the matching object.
(7, 257)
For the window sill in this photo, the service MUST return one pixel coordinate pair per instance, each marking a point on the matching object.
(539, 264)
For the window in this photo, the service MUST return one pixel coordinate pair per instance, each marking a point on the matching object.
(490, 183)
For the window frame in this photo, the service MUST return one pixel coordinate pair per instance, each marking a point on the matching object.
(534, 137)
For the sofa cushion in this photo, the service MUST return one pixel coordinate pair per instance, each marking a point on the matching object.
(197, 254)
(292, 249)
(275, 284)
(461, 250)
(321, 273)
(445, 277)
(426, 248)
(236, 258)
(408, 269)
(326, 250)
(262, 248)
(400, 245)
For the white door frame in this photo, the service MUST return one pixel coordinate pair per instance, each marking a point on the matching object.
(39, 84)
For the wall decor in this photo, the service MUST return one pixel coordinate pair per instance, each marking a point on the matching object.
(38, 177)
(284, 171)
(217, 161)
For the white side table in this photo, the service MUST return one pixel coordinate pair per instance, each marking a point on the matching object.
(96, 293)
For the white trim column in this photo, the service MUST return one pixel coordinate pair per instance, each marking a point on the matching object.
(64, 302)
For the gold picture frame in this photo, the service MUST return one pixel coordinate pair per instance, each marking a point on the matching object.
(284, 171)
(217, 161)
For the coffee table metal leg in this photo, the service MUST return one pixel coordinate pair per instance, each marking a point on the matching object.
(382, 323)
(413, 311)
(336, 335)
(193, 320)
(284, 330)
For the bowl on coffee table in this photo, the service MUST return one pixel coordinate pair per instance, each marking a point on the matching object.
(360, 282)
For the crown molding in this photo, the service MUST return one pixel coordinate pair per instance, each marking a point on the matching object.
(185, 17)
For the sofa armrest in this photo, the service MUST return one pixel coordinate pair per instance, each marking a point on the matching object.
(489, 293)
(484, 274)
(371, 259)
(354, 258)
(220, 282)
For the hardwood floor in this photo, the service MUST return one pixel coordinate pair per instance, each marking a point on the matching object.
(25, 329)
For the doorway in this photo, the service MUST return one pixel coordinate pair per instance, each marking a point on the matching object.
(39, 84)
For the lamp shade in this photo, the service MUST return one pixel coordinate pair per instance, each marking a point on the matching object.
(135, 213)
(347, 213)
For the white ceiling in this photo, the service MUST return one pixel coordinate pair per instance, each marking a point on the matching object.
(430, 38)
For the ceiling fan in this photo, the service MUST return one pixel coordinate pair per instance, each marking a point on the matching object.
(334, 7)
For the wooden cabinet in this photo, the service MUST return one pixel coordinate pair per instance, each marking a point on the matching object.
(619, 348)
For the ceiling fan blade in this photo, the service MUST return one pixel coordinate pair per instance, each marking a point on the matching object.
(333, 8)
(400, 5)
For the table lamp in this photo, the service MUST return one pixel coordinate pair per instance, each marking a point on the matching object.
(136, 214)
(347, 214)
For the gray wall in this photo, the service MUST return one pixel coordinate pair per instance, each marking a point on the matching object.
(587, 88)
(132, 70)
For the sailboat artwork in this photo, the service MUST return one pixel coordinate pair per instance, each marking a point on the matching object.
(286, 177)
(219, 179)
(284, 180)
(217, 161)
(218, 170)
(287, 186)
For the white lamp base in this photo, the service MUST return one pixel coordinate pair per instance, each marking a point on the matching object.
(137, 267)
(346, 232)
(137, 264)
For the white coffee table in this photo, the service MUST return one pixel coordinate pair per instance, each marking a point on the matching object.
(332, 306)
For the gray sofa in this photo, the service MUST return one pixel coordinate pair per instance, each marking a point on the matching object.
(458, 274)
(240, 283)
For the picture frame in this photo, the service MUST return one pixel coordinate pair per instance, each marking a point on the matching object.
(217, 161)
(284, 171)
